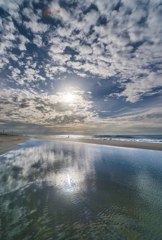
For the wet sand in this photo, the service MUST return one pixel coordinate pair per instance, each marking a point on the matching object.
(9, 142)
(127, 144)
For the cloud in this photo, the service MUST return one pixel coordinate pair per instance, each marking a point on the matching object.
(68, 119)
(84, 50)
(36, 27)
(146, 120)
(115, 45)
(141, 87)
(20, 106)
(37, 41)
(121, 30)
(23, 40)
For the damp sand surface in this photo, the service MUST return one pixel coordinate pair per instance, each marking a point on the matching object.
(127, 144)
(8, 142)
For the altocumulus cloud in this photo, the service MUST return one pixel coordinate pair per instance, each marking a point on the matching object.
(110, 48)
(29, 107)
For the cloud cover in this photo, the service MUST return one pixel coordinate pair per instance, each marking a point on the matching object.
(111, 49)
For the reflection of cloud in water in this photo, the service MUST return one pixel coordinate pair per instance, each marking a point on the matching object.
(148, 187)
(56, 190)
(65, 168)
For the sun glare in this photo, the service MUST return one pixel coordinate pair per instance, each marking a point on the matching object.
(69, 97)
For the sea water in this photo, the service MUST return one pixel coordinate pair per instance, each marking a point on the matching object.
(134, 138)
(62, 190)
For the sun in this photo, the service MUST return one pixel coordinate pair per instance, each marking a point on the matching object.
(69, 97)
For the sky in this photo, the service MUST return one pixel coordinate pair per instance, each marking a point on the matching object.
(81, 66)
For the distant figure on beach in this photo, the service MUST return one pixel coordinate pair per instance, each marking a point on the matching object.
(68, 136)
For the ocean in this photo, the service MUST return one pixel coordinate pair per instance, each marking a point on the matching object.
(135, 138)
(67, 190)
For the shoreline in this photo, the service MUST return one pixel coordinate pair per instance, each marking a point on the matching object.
(10, 142)
(115, 143)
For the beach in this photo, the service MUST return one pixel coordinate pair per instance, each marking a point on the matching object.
(70, 190)
(115, 143)
(9, 142)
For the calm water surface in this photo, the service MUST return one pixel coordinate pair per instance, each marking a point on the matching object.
(55, 190)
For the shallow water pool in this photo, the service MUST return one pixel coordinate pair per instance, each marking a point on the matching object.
(62, 190)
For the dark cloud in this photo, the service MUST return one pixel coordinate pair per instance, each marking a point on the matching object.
(70, 51)
(68, 119)
(157, 116)
(58, 106)
(24, 105)
(4, 102)
(15, 99)
(62, 107)
(41, 108)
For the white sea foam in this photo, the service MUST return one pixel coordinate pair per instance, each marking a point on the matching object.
(132, 138)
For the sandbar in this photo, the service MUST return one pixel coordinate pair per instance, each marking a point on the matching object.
(116, 143)
(9, 142)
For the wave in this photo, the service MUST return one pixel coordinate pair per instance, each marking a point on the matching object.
(135, 138)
